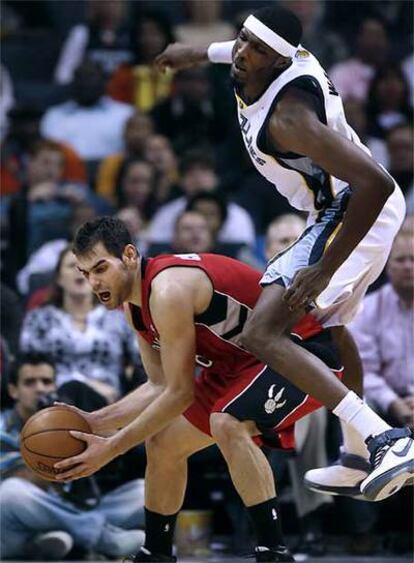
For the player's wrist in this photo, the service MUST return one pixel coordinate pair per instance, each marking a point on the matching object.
(220, 52)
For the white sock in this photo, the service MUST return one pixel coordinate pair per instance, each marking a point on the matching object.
(360, 416)
(353, 441)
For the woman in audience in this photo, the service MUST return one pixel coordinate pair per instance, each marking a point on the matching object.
(137, 187)
(140, 83)
(104, 38)
(87, 342)
(388, 101)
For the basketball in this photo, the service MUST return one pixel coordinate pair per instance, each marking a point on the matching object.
(45, 439)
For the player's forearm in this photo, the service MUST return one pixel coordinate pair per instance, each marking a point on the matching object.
(169, 405)
(125, 410)
(365, 204)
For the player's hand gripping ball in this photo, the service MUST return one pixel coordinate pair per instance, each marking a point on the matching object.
(45, 439)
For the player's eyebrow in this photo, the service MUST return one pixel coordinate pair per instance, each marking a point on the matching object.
(98, 263)
(255, 41)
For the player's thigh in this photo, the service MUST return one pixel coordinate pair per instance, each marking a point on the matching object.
(179, 439)
(272, 312)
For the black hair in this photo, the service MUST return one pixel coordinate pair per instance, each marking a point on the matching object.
(29, 358)
(373, 105)
(160, 20)
(214, 197)
(110, 231)
(55, 292)
(149, 206)
(197, 157)
(282, 21)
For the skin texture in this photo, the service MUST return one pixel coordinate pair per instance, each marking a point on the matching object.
(295, 127)
(152, 412)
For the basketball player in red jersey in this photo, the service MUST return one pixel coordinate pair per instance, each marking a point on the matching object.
(189, 310)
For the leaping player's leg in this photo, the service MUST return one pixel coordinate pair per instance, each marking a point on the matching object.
(165, 484)
(253, 479)
(266, 336)
(346, 475)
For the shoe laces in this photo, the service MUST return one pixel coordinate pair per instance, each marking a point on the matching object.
(380, 444)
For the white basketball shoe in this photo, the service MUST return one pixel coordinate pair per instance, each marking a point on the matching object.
(344, 477)
(392, 463)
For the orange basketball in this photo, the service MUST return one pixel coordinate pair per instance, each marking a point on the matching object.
(45, 439)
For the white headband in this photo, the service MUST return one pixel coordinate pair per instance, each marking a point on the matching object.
(270, 37)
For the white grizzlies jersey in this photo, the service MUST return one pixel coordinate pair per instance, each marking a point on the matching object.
(305, 184)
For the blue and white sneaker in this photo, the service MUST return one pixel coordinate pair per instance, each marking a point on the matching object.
(392, 463)
(344, 477)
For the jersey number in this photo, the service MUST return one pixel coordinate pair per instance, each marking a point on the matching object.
(188, 256)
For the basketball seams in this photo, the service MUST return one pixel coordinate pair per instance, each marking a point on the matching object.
(48, 430)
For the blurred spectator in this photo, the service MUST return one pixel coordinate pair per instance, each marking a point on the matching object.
(105, 39)
(198, 175)
(159, 152)
(91, 122)
(400, 145)
(137, 187)
(7, 100)
(408, 69)
(135, 223)
(41, 520)
(328, 47)
(41, 211)
(356, 117)
(24, 131)
(11, 315)
(140, 83)
(352, 76)
(282, 233)
(383, 332)
(388, 101)
(190, 113)
(138, 129)
(192, 234)
(42, 263)
(204, 24)
(87, 342)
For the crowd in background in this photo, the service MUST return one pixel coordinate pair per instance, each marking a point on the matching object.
(90, 127)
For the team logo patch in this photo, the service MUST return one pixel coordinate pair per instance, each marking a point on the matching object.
(301, 54)
(273, 402)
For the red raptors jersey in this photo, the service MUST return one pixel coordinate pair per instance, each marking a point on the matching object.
(236, 290)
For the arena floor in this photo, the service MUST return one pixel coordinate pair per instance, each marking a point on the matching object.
(348, 559)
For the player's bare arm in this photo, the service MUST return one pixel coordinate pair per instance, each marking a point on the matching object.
(179, 56)
(117, 415)
(173, 304)
(295, 127)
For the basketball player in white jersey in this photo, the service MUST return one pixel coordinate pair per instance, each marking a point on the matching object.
(294, 128)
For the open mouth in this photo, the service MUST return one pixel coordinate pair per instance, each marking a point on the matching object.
(104, 296)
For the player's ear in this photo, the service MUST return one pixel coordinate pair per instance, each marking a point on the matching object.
(281, 62)
(130, 256)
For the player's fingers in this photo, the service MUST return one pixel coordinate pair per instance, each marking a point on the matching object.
(65, 405)
(80, 435)
(74, 473)
(69, 462)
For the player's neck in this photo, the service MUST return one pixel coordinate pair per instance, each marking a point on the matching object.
(135, 295)
(250, 92)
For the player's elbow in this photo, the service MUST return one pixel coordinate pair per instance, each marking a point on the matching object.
(183, 397)
(384, 183)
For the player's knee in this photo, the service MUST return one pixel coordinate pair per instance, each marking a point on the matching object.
(160, 448)
(256, 334)
(226, 430)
